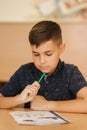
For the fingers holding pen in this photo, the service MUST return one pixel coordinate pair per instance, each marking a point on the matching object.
(33, 88)
(29, 92)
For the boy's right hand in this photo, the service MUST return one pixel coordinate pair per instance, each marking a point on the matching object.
(29, 93)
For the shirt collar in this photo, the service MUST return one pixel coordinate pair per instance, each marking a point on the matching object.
(58, 68)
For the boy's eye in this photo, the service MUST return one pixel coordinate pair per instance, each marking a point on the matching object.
(49, 54)
(35, 54)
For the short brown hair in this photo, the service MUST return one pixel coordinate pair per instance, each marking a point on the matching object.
(44, 31)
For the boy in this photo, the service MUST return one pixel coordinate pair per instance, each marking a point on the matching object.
(63, 87)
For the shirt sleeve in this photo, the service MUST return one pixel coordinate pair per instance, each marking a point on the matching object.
(12, 87)
(77, 81)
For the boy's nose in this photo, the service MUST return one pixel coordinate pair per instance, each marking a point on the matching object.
(42, 60)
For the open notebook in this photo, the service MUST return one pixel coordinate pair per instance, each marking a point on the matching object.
(38, 117)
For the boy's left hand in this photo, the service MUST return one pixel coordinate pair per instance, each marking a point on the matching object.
(39, 103)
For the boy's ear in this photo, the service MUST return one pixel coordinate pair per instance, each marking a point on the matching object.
(62, 48)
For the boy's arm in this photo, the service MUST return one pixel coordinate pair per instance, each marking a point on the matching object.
(78, 105)
(8, 102)
(25, 96)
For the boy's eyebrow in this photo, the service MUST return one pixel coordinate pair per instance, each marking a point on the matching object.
(34, 51)
(44, 52)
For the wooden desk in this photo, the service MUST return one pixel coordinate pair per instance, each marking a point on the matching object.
(78, 122)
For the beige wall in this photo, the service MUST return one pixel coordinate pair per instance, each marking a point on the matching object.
(15, 49)
(17, 10)
(75, 36)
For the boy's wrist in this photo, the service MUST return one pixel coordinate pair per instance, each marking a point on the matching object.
(18, 100)
(50, 105)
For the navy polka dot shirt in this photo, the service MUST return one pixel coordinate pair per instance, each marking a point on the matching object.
(63, 84)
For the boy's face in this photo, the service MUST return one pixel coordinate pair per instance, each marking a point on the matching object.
(46, 56)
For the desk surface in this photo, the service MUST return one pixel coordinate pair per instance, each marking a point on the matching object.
(78, 122)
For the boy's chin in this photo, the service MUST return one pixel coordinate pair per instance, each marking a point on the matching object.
(44, 71)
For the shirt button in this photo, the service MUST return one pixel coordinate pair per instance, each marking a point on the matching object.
(57, 90)
(46, 81)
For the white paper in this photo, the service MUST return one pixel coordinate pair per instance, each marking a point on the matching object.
(38, 117)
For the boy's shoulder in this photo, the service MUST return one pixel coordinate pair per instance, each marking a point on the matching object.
(27, 67)
(70, 67)
(67, 66)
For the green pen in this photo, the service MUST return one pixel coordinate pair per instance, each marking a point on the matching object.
(42, 76)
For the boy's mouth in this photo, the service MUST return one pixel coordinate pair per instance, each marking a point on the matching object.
(43, 68)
